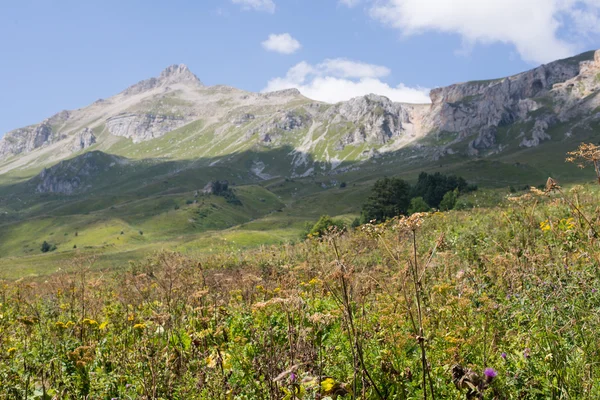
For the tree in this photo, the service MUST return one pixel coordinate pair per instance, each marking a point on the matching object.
(449, 200)
(46, 247)
(390, 197)
(433, 187)
(417, 204)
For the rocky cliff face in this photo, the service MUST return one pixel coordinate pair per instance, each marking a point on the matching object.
(558, 91)
(375, 119)
(142, 127)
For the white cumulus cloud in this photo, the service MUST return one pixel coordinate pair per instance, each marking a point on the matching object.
(340, 79)
(258, 5)
(283, 43)
(540, 30)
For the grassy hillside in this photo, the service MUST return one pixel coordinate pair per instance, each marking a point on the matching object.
(497, 302)
(159, 198)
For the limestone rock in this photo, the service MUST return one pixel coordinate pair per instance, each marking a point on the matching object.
(141, 127)
(83, 139)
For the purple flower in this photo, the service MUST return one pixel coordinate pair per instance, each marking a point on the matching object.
(526, 352)
(490, 373)
(292, 377)
(594, 290)
(503, 355)
(128, 386)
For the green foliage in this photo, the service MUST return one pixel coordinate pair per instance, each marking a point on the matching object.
(433, 187)
(417, 205)
(390, 197)
(324, 225)
(449, 200)
(221, 188)
(46, 247)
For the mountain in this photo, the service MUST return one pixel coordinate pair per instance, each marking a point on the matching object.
(175, 116)
(138, 161)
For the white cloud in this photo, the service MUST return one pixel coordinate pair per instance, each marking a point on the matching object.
(284, 44)
(349, 3)
(340, 79)
(258, 5)
(535, 27)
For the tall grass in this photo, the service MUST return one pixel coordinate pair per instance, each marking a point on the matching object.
(496, 303)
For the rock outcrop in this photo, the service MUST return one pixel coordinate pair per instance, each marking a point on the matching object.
(83, 139)
(376, 119)
(171, 75)
(142, 127)
(75, 175)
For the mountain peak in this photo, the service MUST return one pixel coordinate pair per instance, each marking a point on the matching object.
(176, 73)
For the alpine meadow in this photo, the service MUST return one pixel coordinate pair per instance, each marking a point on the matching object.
(180, 240)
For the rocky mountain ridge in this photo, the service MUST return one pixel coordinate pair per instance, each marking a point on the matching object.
(175, 116)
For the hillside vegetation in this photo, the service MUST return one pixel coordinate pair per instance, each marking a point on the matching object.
(496, 303)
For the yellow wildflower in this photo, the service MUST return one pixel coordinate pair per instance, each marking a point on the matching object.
(139, 327)
(90, 322)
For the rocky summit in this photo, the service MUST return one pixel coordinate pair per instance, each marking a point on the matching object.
(174, 116)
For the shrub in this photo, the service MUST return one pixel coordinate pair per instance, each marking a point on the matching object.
(449, 200)
(324, 224)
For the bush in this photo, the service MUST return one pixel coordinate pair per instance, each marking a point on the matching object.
(324, 224)
(449, 200)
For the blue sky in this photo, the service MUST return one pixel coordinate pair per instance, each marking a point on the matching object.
(66, 54)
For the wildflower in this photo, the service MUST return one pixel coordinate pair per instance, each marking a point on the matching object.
(545, 226)
(594, 290)
(103, 325)
(90, 322)
(526, 353)
(292, 377)
(503, 355)
(490, 374)
(11, 351)
(60, 325)
(548, 357)
(69, 324)
(139, 327)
